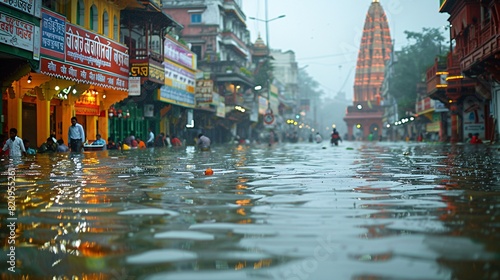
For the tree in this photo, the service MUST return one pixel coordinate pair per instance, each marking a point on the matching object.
(412, 63)
(309, 89)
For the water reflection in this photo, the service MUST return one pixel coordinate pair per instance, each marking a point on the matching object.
(292, 211)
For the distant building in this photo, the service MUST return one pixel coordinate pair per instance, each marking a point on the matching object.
(364, 117)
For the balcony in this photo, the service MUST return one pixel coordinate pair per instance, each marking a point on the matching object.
(145, 54)
(436, 80)
(228, 71)
(479, 47)
(230, 6)
(230, 39)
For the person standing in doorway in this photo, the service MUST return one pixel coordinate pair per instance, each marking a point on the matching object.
(14, 144)
(76, 136)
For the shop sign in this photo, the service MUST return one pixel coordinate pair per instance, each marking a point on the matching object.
(147, 70)
(473, 116)
(134, 86)
(80, 74)
(176, 96)
(88, 110)
(204, 91)
(53, 34)
(17, 33)
(177, 53)
(31, 7)
(88, 49)
(87, 105)
(221, 108)
(433, 127)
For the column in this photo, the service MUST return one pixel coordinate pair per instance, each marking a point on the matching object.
(42, 121)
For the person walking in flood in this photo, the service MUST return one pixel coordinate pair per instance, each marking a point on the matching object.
(335, 138)
(203, 142)
(14, 144)
(318, 138)
(76, 136)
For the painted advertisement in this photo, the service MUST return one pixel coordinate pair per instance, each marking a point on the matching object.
(176, 53)
(473, 117)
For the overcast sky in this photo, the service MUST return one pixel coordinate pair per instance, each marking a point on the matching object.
(325, 34)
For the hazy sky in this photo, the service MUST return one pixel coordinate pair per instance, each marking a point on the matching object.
(325, 34)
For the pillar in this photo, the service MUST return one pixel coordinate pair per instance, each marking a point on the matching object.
(68, 111)
(15, 112)
(42, 121)
(91, 129)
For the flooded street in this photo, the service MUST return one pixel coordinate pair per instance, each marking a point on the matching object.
(292, 211)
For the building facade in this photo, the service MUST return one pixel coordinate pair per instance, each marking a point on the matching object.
(476, 30)
(216, 32)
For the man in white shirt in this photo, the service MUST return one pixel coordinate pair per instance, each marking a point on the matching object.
(151, 140)
(76, 136)
(14, 144)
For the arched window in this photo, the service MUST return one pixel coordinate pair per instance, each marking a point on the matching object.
(115, 28)
(94, 18)
(80, 14)
(105, 23)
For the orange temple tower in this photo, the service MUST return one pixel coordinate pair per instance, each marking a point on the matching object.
(364, 117)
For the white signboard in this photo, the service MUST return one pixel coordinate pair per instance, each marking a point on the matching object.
(134, 86)
(16, 32)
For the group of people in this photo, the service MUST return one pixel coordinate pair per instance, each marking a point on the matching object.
(162, 140)
(16, 147)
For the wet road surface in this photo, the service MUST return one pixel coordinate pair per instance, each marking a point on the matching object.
(292, 211)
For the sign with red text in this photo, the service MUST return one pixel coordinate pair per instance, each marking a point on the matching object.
(88, 49)
(16, 32)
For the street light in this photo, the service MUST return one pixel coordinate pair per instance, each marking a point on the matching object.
(267, 20)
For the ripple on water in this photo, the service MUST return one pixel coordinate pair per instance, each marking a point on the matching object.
(161, 256)
(190, 235)
(148, 211)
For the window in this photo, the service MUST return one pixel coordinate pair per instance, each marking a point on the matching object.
(105, 23)
(195, 18)
(80, 14)
(115, 28)
(94, 18)
(197, 51)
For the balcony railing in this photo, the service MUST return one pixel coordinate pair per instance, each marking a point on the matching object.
(479, 36)
(141, 54)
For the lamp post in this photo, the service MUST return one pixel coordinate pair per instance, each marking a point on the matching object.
(266, 21)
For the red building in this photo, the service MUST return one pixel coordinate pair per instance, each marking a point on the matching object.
(364, 117)
(475, 27)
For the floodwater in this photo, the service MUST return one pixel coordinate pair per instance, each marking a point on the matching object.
(292, 211)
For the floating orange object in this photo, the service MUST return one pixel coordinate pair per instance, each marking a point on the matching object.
(209, 171)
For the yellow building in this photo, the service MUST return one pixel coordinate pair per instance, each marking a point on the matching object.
(78, 69)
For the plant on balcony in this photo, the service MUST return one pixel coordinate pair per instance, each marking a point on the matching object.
(246, 72)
